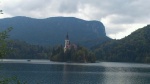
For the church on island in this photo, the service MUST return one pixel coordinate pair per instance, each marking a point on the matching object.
(71, 53)
(68, 45)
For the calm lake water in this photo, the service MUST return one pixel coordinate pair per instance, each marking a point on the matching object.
(46, 72)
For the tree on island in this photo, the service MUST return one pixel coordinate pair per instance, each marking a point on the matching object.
(80, 54)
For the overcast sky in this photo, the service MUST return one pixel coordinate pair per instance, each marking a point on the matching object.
(120, 17)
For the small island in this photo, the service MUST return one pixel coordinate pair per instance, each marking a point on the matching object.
(72, 53)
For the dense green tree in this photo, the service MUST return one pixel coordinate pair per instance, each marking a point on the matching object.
(23, 50)
(80, 54)
(3, 44)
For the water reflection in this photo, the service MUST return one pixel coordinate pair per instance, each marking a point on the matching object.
(105, 75)
(76, 73)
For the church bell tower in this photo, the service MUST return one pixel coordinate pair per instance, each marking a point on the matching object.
(67, 43)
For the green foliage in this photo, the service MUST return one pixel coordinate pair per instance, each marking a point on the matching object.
(134, 48)
(80, 54)
(11, 80)
(15, 49)
(3, 45)
(3, 51)
(23, 50)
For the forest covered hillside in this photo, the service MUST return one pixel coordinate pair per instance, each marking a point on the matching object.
(133, 48)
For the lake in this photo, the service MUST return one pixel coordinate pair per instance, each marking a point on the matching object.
(47, 72)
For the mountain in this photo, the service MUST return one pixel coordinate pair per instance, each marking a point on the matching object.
(52, 31)
(133, 48)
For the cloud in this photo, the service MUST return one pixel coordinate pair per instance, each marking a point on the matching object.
(68, 6)
(120, 17)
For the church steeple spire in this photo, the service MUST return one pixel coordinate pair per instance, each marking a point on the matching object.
(67, 37)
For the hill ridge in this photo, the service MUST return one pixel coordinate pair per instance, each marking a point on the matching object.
(52, 30)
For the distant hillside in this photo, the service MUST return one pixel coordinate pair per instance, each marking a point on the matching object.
(133, 48)
(22, 50)
(52, 31)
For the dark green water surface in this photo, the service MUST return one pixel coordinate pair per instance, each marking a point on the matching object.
(46, 72)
